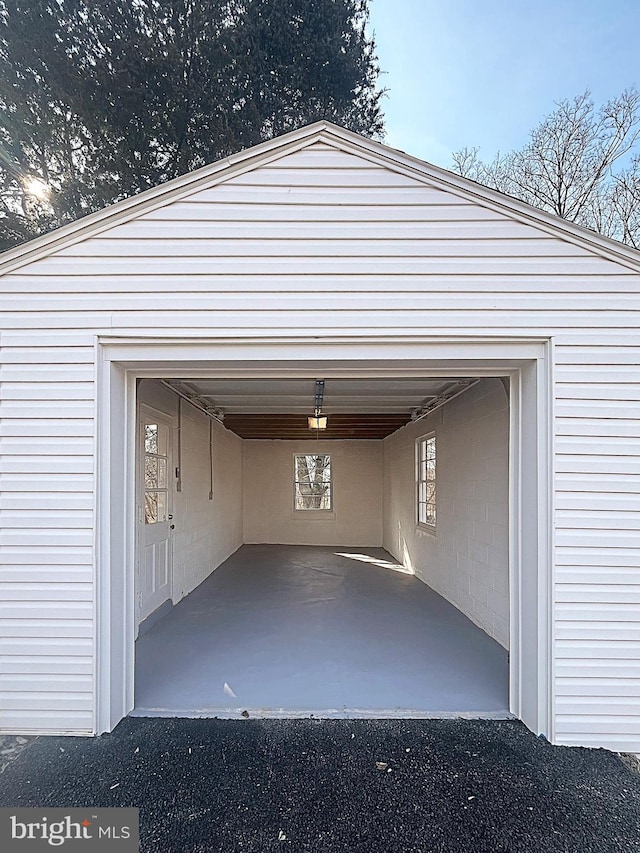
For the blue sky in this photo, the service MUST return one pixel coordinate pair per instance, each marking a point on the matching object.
(484, 72)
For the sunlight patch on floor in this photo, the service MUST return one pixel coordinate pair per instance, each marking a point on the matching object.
(376, 561)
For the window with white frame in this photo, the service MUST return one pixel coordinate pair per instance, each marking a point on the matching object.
(156, 461)
(426, 480)
(313, 488)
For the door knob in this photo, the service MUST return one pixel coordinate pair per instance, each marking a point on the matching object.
(172, 527)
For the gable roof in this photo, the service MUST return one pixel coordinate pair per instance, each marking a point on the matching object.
(341, 139)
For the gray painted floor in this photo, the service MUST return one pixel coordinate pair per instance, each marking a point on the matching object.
(281, 630)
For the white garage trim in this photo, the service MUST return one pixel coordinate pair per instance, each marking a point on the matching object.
(526, 361)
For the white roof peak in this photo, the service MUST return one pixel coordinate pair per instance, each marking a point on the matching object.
(296, 140)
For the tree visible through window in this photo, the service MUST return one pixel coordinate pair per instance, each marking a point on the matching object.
(312, 481)
(156, 489)
(427, 480)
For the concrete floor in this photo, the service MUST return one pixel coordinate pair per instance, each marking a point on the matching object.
(282, 630)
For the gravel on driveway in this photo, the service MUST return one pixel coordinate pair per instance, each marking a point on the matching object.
(336, 786)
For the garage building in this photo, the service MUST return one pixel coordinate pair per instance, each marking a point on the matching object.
(462, 537)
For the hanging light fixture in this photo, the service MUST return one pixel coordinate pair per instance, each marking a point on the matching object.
(317, 420)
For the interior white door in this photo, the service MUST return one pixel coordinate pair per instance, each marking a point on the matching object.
(154, 515)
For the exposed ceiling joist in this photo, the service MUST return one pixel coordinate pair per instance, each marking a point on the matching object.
(283, 426)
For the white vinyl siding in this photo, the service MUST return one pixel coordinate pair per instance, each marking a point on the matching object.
(46, 534)
(325, 241)
(598, 542)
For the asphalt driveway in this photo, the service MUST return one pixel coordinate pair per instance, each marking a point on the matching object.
(334, 786)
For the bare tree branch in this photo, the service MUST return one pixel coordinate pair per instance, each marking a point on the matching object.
(568, 166)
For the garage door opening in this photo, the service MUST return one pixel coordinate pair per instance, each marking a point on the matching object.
(357, 570)
(123, 364)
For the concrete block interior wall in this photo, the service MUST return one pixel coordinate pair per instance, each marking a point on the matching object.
(467, 561)
(206, 532)
(356, 518)
(374, 499)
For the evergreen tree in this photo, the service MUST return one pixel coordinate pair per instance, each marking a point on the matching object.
(102, 99)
